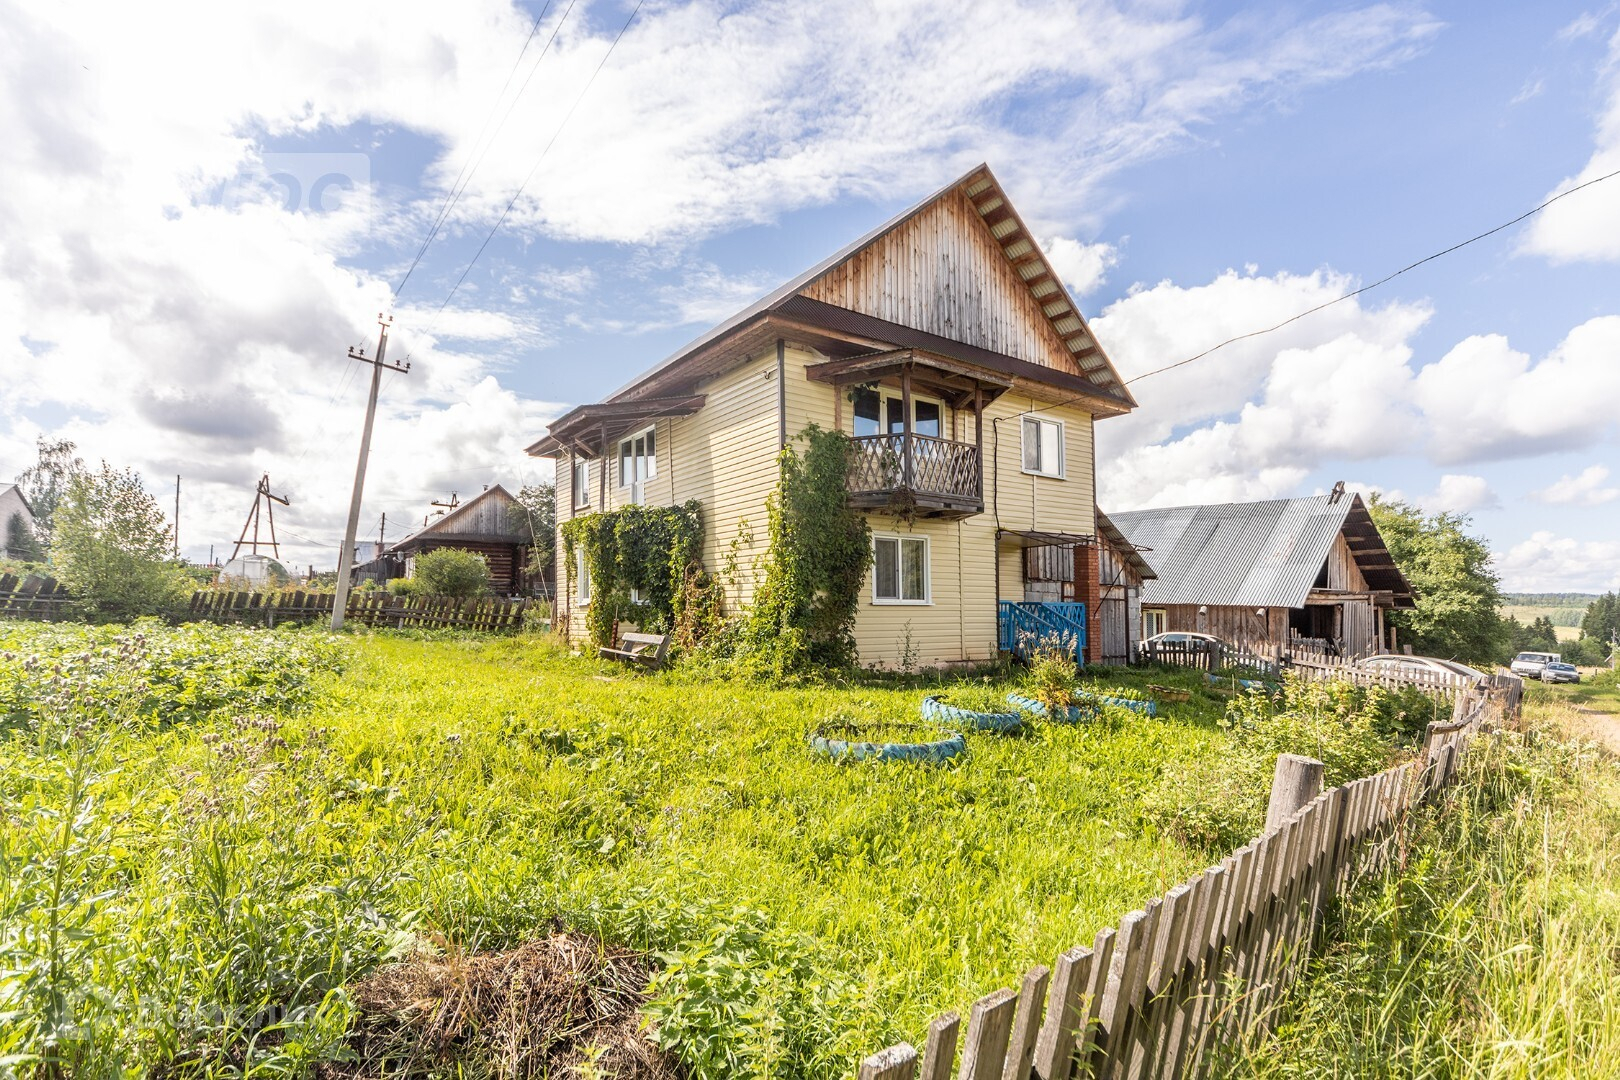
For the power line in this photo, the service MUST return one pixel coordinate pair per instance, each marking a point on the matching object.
(459, 186)
(544, 151)
(1380, 281)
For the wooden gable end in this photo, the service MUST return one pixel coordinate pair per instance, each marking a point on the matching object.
(488, 515)
(963, 267)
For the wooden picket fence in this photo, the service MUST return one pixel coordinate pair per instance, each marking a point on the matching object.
(1309, 664)
(370, 608)
(1200, 969)
(33, 597)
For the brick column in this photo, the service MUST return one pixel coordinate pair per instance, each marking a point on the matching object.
(1088, 590)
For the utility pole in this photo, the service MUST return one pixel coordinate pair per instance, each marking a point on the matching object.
(382, 529)
(346, 554)
(177, 516)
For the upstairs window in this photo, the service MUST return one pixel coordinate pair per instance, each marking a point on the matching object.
(883, 412)
(582, 484)
(1043, 446)
(638, 462)
(899, 570)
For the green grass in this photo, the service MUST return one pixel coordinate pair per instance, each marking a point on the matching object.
(171, 887)
(1490, 949)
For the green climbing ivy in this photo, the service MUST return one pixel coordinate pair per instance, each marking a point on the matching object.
(653, 550)
(819, 551)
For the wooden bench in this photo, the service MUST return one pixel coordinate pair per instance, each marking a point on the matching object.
(645, 649)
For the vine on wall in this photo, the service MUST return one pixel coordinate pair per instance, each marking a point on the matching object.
(819, 551)
(655, 550)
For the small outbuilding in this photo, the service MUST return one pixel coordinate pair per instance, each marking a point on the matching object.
(14, 506)
(492, 524)
(1274, 576)
(1105, 572)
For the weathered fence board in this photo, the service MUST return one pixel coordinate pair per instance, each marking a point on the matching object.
(33, 597)
(1204, 968)
(370, 608)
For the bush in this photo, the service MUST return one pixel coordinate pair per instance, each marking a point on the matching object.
(451, 572)
(1220, 802)
(110, 545)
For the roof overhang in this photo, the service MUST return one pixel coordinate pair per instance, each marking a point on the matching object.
(1127, 550)
(1373, 558)
(958, 383)
(1035, 538)
(591, 429)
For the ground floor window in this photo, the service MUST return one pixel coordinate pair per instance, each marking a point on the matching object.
(900, 570)
(582, 577)
(1152, 621)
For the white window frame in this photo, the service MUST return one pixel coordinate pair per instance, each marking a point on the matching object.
(1150, 617)
(900, 541)
(1062, 446)
(582, 578)
(579, 484)
(629, 441)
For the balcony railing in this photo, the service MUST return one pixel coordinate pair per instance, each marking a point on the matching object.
(939, 473)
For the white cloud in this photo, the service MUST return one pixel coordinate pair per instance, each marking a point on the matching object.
(1263, 412)
(1584, 490)
(1586, 225)
(1547, 562)
(184, 321)
(1459, 494)
(1484, 400)
(1083, 267)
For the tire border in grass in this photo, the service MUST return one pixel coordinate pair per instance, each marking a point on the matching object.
(1074, 714)
(941, 711)
(931, 752)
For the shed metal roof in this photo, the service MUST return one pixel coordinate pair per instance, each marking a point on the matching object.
(1263, 554)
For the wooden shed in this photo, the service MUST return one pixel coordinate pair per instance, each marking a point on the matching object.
(1276, 575)
(490, 524)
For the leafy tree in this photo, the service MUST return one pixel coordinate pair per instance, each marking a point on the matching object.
(21, 543)
(1457, 593)
(537, 512)
(110, 544)
(451, 572)
(1602, 619)
(45, 483)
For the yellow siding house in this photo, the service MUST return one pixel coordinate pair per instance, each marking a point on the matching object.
(947, 347)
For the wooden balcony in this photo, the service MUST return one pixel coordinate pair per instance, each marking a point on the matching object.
(941, 478)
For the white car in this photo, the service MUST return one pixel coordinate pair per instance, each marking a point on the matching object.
(1182, 637)
(1401, 664)
(1529, 664)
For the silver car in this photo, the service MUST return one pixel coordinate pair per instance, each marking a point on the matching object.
(1401, 664)
(1558, 671)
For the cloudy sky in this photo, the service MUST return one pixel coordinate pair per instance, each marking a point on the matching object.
(205, 209)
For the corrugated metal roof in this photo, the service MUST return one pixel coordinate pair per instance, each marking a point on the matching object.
(1264, 554)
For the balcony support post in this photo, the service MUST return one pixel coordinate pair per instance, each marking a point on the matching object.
(905, 426)
(978, 439)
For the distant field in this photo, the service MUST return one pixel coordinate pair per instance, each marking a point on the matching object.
(1564, 609)
(1566, 621)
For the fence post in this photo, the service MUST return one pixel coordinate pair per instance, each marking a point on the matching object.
(1298, 780)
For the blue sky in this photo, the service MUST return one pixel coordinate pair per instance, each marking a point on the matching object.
(1195, 170)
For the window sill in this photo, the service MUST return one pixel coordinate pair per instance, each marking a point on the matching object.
(1046, 475)
(902, 603)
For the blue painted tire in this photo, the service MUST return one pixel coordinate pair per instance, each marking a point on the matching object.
(826, 742)
(1247, 684)
(1146, 708)
(944, 712)
(1074, 714)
